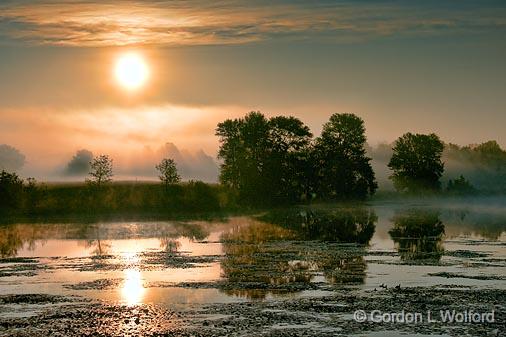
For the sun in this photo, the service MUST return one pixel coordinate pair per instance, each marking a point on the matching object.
(131, 71)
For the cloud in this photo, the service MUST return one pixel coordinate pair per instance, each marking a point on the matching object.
(198, 22)
(10, 158)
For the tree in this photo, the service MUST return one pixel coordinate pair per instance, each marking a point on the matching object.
(244, 150)
(287, 165)
(11, 190)
(343, 169)
(416, 162)
(100, 170)
(231, 152)
(460, 186)
(168, 172)
(262, 157)
(484, 164)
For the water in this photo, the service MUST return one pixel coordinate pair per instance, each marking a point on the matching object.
(283, 254)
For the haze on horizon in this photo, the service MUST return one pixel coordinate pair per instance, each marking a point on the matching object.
(434, 66)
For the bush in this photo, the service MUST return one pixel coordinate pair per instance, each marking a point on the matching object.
(11, 190)
(460, 186)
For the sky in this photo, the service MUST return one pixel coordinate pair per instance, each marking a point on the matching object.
(419, 66)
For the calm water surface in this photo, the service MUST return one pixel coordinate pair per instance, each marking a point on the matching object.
(297, 252)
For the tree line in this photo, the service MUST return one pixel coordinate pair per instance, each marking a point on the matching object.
(277, 160)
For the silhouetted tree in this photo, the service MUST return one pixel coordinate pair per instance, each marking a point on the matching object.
(287, 165)
(231, 151)
(262, 157)
(250, 153)
(343, 169)
(32, 194)
(101, 170)
(168, 172)
(416, 162)
(11, 190)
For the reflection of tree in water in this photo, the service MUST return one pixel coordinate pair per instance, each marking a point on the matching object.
(95, 236)
(265, 256)
(339, 225)
(100, 247)
(10, 241)
(169, 245)
(249, 252)
(418, 234)
(168, 235)
(19, 236)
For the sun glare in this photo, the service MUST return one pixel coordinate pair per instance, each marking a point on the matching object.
(131, 71)
(133, 289)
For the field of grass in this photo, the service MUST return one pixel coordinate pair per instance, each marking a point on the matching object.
(118, 199)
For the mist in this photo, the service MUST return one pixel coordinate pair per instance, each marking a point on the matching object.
(132, 164)
(484, 165)
(196, 165)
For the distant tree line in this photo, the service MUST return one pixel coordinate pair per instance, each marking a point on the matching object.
(468, 170)
(482, 164)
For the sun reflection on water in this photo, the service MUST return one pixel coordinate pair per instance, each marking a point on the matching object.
(133, 290)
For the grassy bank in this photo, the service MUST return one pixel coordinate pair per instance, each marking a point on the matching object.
(117, 200)
(81, 202)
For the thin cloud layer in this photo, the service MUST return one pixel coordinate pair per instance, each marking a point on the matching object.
(116, 23)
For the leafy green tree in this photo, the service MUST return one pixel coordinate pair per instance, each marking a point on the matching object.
(343, 169)
(100, 170)
(168, 172)
(416, 163)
